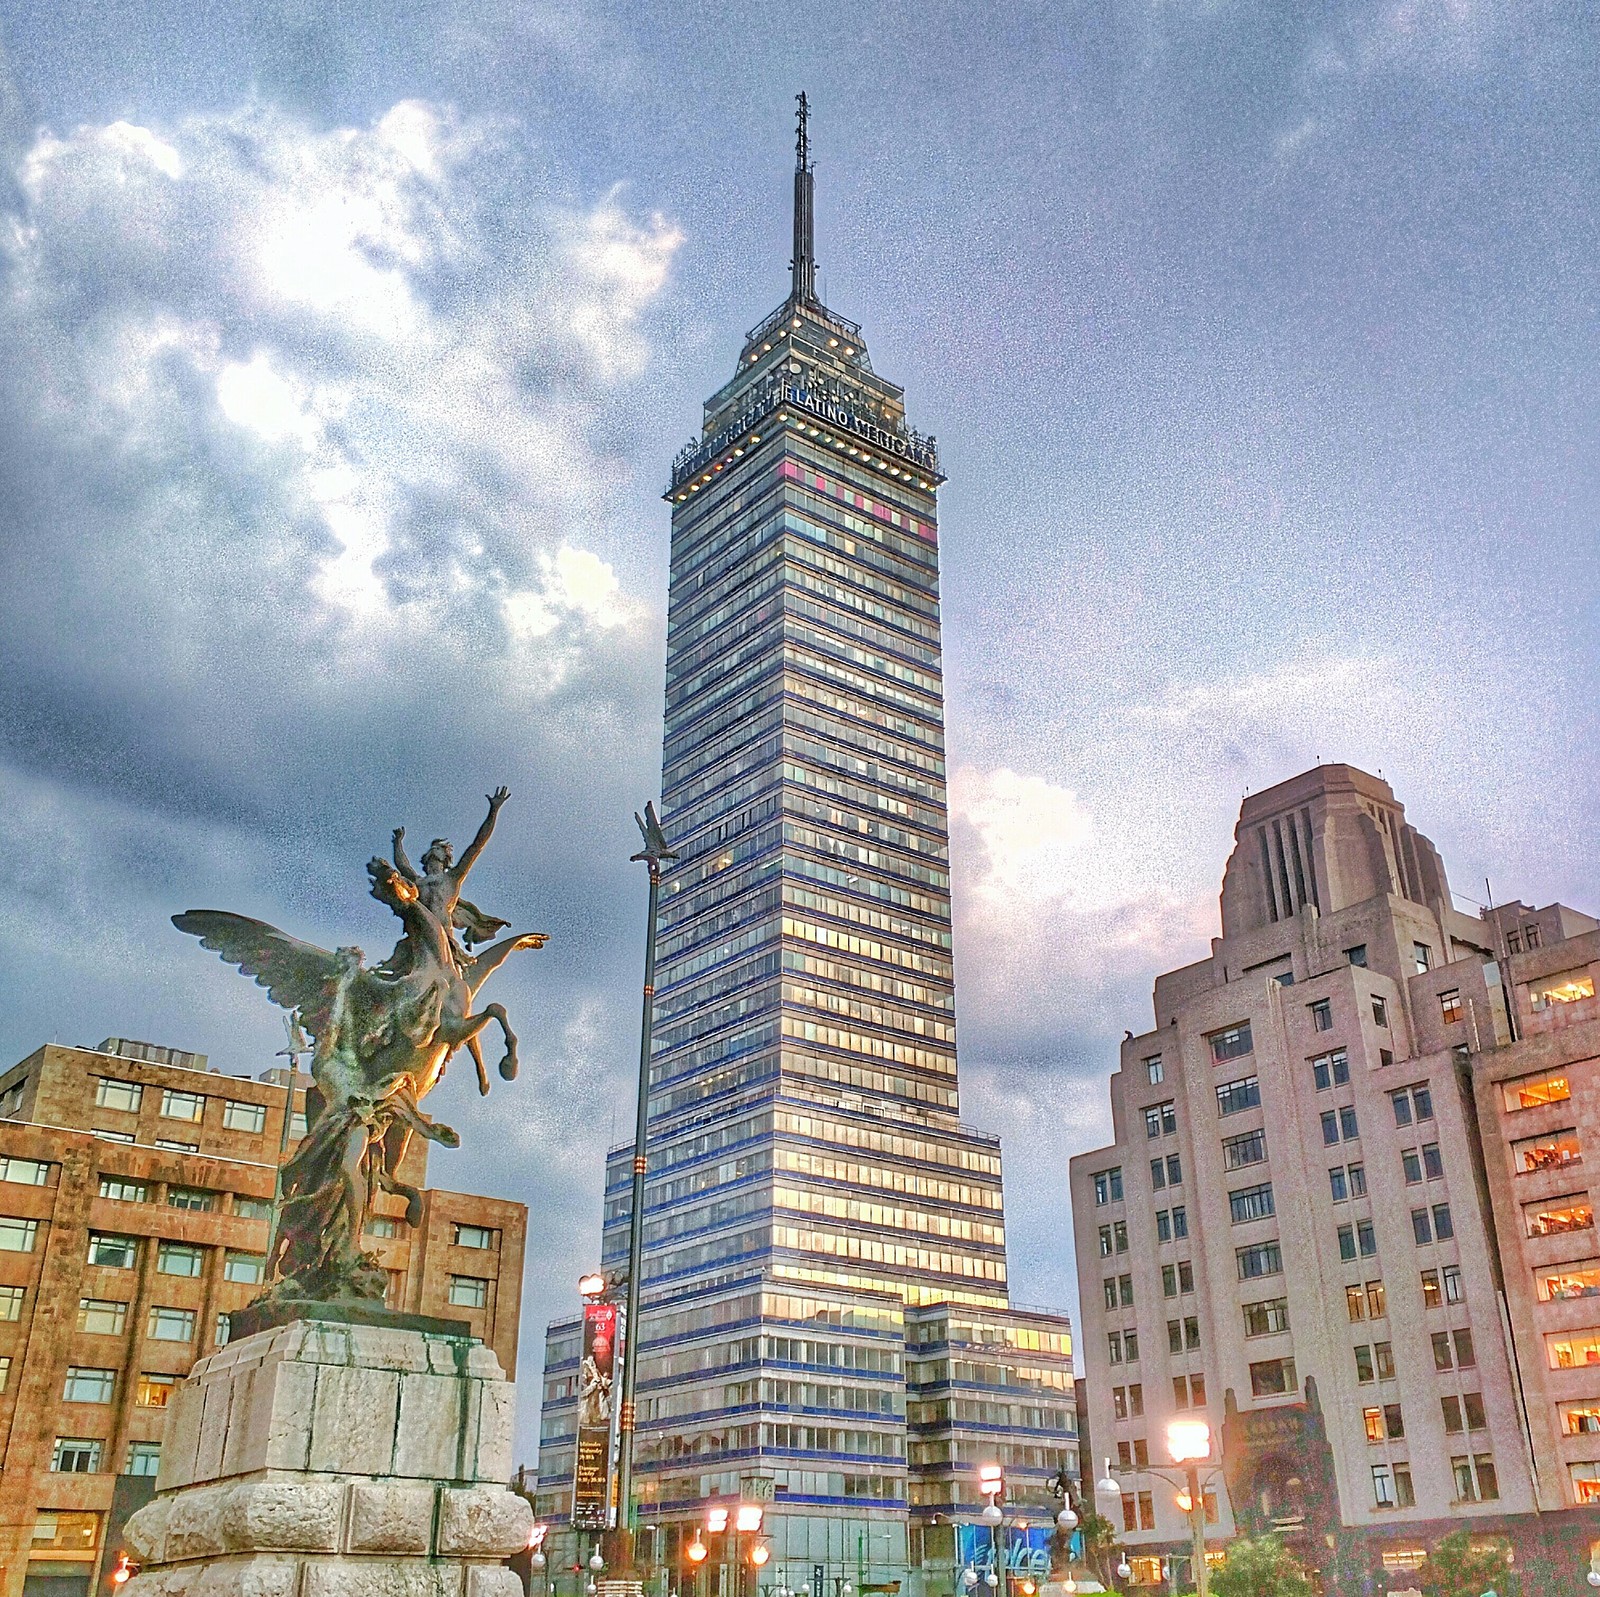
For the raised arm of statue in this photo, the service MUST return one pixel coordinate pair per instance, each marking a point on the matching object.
(401, 862)
(469, 855)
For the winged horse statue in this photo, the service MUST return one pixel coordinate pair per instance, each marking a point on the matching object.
(381, 1038)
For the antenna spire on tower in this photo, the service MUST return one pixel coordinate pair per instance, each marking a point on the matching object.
(803, 263)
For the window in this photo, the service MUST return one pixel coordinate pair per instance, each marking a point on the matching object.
(1339, 1125)
(1551, 1150)
(5, 1371)
(248, 1268)
(1263, 1259)
(1431, 1296)
(188, 1106)
(1233, 1096)
(1412, 1104)
(1166, 1172)
(154, 1390)
(1383, 1424)
(1154, 1074)
(1231, 1043)
(238, 1116)
(1364, 1363)
(1529, 1092)
(1462, 1341)
(261, 1209)
(1552, 991)
(1382, 1482)
(1451, 1276)
(75, 1455)
(1266, 1319)
(25, 1172)
(1585, 1480)
(120, 1190)
(1251, 1203)
(469, 1291)
(1377, 1305)
(179, 1258)
(1322, 1014)
(144, 1458)
(196, 1198)
(1366, 1239)
(1514, 942)
(84, 1385)
(1569, 1350)
(1180, 1222)
(1189, 1391)
(1475, 1478)
(1383, 1355)
(1107, 1186)
(1580, 1419)
(1191, 1334)
(1130, 1346)
(1249, 1148)
(123, 1095)
(17, 1236)
(1358, 1180)
(1331, 1070)
(1125, 1291)
(169, 1324)
(1532, 935)
(477, 1236)
(1272, 1378)
(1355, 1302)
(1105, 1242)
(1113, 1347)
(224, 1329)
(113, 1136)
(111, 1252)
(11, 1302)
(1444, 1227)
(1420, 1228)
(1163, 1225)
(1119, 1402)
(1564, 1281)
(1380, 1011)
(1161, 1119)
(380, 1225)
(1347, 1181)
(1108, 1288)
(1357, 955)
(1546, 1217)
(1450, 1006)
(102, 1316)
(173, 1145)
(297, 1125)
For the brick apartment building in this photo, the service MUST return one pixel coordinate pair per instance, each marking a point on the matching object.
(136, 1191)
(1346, 1215)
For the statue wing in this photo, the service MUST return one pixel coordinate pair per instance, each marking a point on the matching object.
(296, 975)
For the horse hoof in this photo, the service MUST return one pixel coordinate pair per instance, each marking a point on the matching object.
(448, 1136)
(508, 1068)
(413, 1212)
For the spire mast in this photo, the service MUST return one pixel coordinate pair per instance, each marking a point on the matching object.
(803, 264)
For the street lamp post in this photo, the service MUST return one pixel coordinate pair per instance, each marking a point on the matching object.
(654, 854)
(1189, 1444)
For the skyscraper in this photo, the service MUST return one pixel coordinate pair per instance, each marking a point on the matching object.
(814, 1203)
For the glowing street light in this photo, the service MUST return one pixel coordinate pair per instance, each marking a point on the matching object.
(1108, 1485)
(1189, 1444)
(592, 1285)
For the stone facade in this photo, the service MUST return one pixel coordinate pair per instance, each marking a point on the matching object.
(135, 1192)
(333, 1460)
(1313, 1224)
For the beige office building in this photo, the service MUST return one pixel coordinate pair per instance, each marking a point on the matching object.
(136, 1192)
(1345, 1215)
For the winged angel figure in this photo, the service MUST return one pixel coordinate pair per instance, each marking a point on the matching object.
(381, 1038)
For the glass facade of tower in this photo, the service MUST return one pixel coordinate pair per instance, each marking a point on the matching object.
(811, 1195)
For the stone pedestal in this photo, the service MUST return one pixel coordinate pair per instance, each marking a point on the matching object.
(320, 1459)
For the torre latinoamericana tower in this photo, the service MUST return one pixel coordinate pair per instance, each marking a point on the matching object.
(826, 1325)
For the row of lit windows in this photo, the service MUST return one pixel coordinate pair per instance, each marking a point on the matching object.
(837, 624)
(726, 1013)
(749, 909)
(899, 1255)
(872, 948)
(844, 847)
(866, 772)
(896, 1216)
(988, 1411)
(913, 1183)
(800, 897)
(823, 1035)
(678, 969)
(913, 1292)
(892, 1144)
(989, 1373)
(933, 842)
(869, 980)
(190, 1107)
(769, 1393)
(869, 1012)
(895, 738)
(880, 1082)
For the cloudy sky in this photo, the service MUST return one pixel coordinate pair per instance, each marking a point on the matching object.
(344, 350)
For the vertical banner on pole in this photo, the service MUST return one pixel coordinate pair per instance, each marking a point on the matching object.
(591, 1475)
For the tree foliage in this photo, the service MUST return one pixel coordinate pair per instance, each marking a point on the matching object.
(1261, 1568)
(1456, 1569)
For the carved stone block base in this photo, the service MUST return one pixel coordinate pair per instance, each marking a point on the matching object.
(322, 1459)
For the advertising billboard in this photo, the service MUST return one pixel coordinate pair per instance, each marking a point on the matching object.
(591, 1475)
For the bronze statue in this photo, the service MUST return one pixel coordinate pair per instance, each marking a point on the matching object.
(381, 1039)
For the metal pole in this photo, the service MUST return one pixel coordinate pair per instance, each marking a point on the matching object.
(654, 853)
(1197, 1525)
